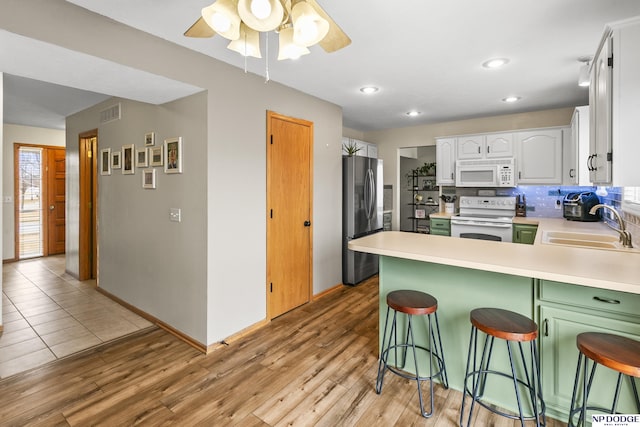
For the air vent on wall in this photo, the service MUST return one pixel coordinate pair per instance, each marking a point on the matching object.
(110, 114)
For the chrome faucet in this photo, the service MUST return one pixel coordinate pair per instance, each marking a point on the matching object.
(625, 236)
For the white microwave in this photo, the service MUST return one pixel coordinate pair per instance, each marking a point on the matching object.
(486, 173)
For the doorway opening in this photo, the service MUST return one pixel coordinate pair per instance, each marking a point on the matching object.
(88, 252)
(39, 195)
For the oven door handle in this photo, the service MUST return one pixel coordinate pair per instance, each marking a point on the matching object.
(483, 224)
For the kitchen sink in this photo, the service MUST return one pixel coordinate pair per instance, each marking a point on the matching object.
(585, 240)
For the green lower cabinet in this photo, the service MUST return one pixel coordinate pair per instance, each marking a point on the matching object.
(560, 324)
(440, 226)
(524, 233)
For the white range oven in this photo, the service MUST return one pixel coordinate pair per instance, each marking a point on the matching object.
(485, 218)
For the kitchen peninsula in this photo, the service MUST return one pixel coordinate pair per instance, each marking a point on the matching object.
(566, 290)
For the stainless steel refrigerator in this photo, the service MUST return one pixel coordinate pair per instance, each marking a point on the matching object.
(362, 192)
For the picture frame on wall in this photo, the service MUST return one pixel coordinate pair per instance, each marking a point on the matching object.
(128, 160)
(149, 178)
(105, 161)
(142, 160)
(149, 139)
(173, 155)
(155, 156)
(115, 160)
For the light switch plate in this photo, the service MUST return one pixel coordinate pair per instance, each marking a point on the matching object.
(175, 214)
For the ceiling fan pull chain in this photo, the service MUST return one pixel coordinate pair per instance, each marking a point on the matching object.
(267, 59)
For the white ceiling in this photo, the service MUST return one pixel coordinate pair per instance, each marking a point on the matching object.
(423, 54)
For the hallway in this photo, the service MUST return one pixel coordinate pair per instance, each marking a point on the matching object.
(47, 315)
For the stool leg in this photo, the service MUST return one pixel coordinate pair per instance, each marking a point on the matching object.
(474, 333)
(440, 353)
(574, 395)
(382, 362)
(616, 394)
(515, 383)
(536, 360)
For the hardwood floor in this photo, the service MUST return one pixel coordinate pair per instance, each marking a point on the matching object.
(315, 365)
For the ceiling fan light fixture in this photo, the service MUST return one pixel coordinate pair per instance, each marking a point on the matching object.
(287, 48)
(269, 22)
(248, 44)
(413, 113)
(308, 26)
(223, 17)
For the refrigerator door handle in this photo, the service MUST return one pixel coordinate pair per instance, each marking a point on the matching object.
(369, 191)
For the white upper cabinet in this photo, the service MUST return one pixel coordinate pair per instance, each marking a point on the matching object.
(613, 98)
(539, 156)
(445, 161)
(484, 146)
(575, 170)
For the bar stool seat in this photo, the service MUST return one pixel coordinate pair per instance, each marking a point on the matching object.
(615, 352)
(412, 303)
(512, 328)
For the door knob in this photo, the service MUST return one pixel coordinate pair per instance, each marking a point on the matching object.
(52, 207)
(307, 223)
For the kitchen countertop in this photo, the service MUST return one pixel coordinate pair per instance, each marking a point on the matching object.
(599, 268)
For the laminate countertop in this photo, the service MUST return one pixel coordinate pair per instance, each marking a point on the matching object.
(599, 268)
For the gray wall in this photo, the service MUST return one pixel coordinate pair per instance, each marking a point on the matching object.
(144, 258)
(233, 240)
(1, 184)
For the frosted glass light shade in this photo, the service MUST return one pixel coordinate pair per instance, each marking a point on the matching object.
(223, 17)
(271, 22)
(308, 27)
(287, 48)
(248, 44)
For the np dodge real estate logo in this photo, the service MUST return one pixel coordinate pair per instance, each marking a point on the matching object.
(616, 420)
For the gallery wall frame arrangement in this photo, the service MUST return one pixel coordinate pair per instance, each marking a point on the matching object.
(128, 153)
(105, 161)
(173, 155)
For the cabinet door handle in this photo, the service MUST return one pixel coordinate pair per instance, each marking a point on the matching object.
(572, 173)
(546, 327)
(479, 150)
(607, 300)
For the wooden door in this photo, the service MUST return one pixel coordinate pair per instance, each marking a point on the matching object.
(289, 222)
(55, 209)
(87, 256)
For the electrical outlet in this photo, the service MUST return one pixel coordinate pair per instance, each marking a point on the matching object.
(558, 205)
(175, 215)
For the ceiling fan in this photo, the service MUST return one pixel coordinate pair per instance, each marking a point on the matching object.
(299, 24)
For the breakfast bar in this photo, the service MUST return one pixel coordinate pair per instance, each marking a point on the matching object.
(565, 290)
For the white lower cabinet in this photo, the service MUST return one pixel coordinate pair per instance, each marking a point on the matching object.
(539, 156)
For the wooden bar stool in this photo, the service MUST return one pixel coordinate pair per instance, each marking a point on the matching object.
(412, 303)
(613, 351)
(512, 328)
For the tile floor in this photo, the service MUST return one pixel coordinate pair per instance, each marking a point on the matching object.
(47, 315)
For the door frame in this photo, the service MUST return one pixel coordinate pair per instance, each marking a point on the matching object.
(270, 115)
(88, 218)
(44, 195)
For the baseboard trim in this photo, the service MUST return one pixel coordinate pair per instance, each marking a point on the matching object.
(9, 260)
(327, 292)
(206, 349)
(184, 337)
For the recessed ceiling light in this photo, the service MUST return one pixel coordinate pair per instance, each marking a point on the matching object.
(369, 89)
(413, 113)
(511, 99)
(495, 63)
